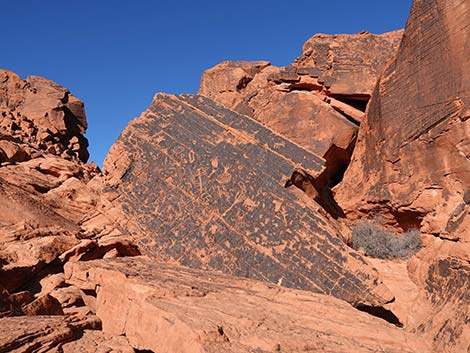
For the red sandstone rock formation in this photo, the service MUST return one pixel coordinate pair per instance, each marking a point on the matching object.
(42, 115)
(165, 308)
(317, 102)
(349, 65)
(412, 152)
(192, 183)
(206, 187)
(411, 166)
(52, 211)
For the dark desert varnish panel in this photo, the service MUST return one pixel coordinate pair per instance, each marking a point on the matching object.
(207, 186)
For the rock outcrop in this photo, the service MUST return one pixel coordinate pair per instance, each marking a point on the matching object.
(349, 65)
(411, 166)
(237, 258)
(317, 102)
(206, 187)
(340, 66)
(33, 334)
(39, 114)
(52, 211)
(164, 308)
(413, 147)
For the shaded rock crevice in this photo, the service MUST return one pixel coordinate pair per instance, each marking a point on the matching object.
(320, 187)
(382, 313)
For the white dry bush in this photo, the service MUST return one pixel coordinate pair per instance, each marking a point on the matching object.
(380, 243)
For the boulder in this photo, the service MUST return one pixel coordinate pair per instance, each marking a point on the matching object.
(205, 186)
(166, 308)
(225, 81)
(45, 305)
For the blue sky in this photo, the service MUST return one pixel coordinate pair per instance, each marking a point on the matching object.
(115, 55)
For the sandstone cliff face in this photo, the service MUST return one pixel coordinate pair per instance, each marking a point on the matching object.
(411, 166)
(206, 187)
(412, 151)
(349, 64)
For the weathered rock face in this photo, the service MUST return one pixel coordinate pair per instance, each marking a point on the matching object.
(97, 342)
(52, 209)
(443, 274)
(33, 334)
(413, 148)
(43, 334)
(165, 308)
(349, 64)
(344, 66)
(290, 104)
(317, 102)
(42, 204)
(226, 81)
(411, 166)
(42, 115)
(206, 187)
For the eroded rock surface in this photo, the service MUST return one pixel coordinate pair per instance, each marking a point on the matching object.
(411, 166)
(412, 152)
(42, 115)
(165, 308)
(349, 64)
(442, 273)
(93, 341)
(33, 334)
(52, 209)
(206, 187)
(317, 102)
(39, 334)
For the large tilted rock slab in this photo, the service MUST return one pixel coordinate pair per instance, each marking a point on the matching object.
(411, 167)
(205, 186)
(167, 308)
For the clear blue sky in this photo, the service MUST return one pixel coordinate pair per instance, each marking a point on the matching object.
(115, 55)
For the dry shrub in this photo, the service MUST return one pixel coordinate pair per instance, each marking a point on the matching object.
(380, 243)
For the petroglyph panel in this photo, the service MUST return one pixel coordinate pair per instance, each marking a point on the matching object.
(206, 186)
